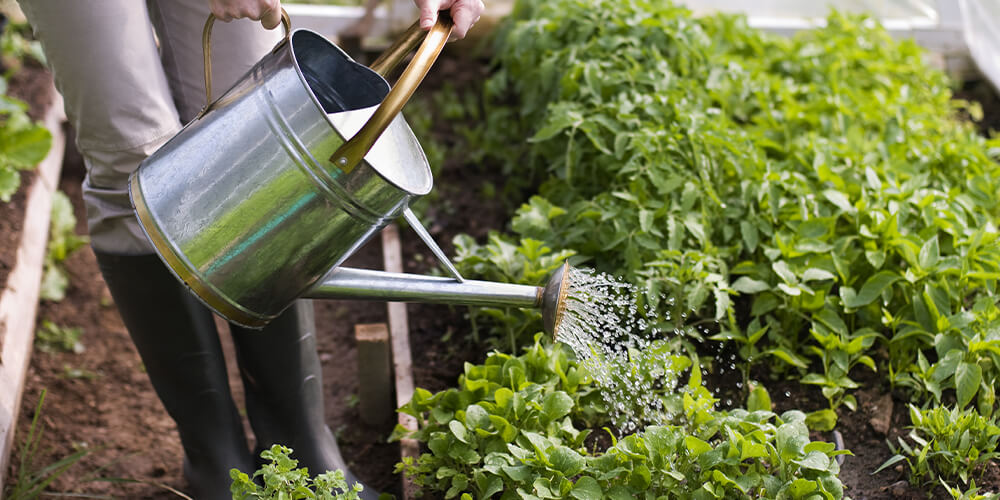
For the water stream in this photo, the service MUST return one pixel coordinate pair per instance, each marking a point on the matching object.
(616, 341)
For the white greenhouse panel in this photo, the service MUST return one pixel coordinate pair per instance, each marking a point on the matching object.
(797, 9)
(981, 27)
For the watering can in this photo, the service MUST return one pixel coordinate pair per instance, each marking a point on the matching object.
(259, 200)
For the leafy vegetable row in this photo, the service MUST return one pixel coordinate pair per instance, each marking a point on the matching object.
(520, 427)
(814, 195)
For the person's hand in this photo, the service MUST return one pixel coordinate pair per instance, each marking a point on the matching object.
(268, 12)
(465, 13)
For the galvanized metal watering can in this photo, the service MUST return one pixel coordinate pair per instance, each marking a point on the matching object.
(259, 199)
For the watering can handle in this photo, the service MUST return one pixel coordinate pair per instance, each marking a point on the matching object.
(206, 47)
(349, 154)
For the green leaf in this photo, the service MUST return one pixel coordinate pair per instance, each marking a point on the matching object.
(503, 397)
(567, 461)
(506, 431)
(476, 417)
(10, 181)
(791, 437)
(54, 284)
(815, 274)
(534, 218)
(749, 285)
(802, 487)
(968, 376)
(758, 399)
(839, 199)
(556, 405)
(640, 478)
(721, 478)
(750, 236)
(930, 253)
(784, 272)
(872, 289)
(558, 122)
(459, 431)
(695, 227)
(519, 473)
(889, 463)
(490, 486)
(696, 446)
(587, 488)
(815, 461)
(787, 356)
(25, 148)
(822, 420)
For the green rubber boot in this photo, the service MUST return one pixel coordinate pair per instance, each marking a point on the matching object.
(179, 346)
(283, 384)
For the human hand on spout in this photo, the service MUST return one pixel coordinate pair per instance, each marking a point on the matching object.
(465, 13)
(268, 12)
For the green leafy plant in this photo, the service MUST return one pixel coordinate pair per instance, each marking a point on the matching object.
(16, 45)
(63, 241)
(798, 196)
(51, 337)
(970, 494)
(522, 427)
(968, 359)
(945, 445)
(282, 479)
(29, 482)
(527, 262)
(23, 144)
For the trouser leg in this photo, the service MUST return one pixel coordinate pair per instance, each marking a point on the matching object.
(104, 58)
(177, 340)
(283, 384)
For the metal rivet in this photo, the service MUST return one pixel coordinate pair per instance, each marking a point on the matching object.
(342, 161)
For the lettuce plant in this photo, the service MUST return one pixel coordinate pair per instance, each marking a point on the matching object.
(281, 478)
(528, 427)
(945, 445)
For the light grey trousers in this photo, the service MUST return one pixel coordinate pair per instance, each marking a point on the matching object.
(131, 73)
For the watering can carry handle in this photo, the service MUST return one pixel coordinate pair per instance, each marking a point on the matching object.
(206, 47)
(349, 154)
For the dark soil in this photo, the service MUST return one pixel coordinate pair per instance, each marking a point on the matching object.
(983, 93)
(101, 400)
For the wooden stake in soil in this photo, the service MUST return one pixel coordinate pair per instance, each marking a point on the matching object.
(19, 301)
(375, 385)
(399, 330)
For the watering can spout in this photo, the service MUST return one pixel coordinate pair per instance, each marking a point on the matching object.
(365, 284)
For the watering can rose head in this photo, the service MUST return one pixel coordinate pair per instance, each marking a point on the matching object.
(553, 300)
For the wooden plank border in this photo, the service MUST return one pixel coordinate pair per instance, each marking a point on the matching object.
(19, 300)
(399, 332)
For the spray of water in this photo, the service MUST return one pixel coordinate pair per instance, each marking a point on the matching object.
(616, 342)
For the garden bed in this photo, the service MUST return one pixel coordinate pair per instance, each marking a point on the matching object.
(24, 223)
(101, 400)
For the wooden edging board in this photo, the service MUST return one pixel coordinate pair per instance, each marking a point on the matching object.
(19, 300)
(399, 332)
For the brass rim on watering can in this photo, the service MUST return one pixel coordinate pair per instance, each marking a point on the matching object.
(346, 157)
